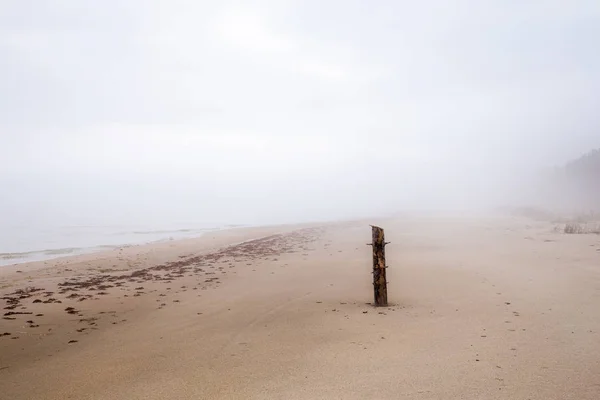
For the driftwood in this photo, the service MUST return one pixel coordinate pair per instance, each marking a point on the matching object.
(379, 278)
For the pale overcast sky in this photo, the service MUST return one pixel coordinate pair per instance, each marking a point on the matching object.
(261, 111)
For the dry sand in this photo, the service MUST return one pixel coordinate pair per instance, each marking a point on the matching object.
(482, 309)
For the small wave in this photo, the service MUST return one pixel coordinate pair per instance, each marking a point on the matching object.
(15, 256)
(47, 252)
(113, 240)
(163, 232)
(109, 246)
(68, 250)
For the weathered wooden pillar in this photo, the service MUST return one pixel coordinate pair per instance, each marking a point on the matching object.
(379, 278)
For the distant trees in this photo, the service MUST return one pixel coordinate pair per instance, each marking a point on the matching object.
(586, 167)
(579, 182)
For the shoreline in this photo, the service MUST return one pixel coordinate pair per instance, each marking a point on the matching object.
(56, 254)
(70, 250)
(162, 251)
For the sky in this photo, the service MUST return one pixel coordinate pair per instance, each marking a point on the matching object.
(281, 111)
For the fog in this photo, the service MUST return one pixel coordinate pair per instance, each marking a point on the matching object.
(287, 111)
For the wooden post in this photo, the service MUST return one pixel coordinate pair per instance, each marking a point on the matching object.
(379, 279)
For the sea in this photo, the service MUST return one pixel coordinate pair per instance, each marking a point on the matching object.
(19, 244)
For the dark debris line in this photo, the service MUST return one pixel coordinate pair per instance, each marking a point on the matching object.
(265, 248)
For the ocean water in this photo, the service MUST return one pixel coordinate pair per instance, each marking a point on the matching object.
(20, 244)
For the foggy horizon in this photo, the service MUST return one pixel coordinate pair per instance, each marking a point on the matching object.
(288, 111)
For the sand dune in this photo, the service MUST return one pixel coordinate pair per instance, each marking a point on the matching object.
(489, 308)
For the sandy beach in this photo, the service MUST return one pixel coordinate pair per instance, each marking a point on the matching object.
(481, 308)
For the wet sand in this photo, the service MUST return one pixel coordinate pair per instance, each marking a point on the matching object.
(490, 308)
